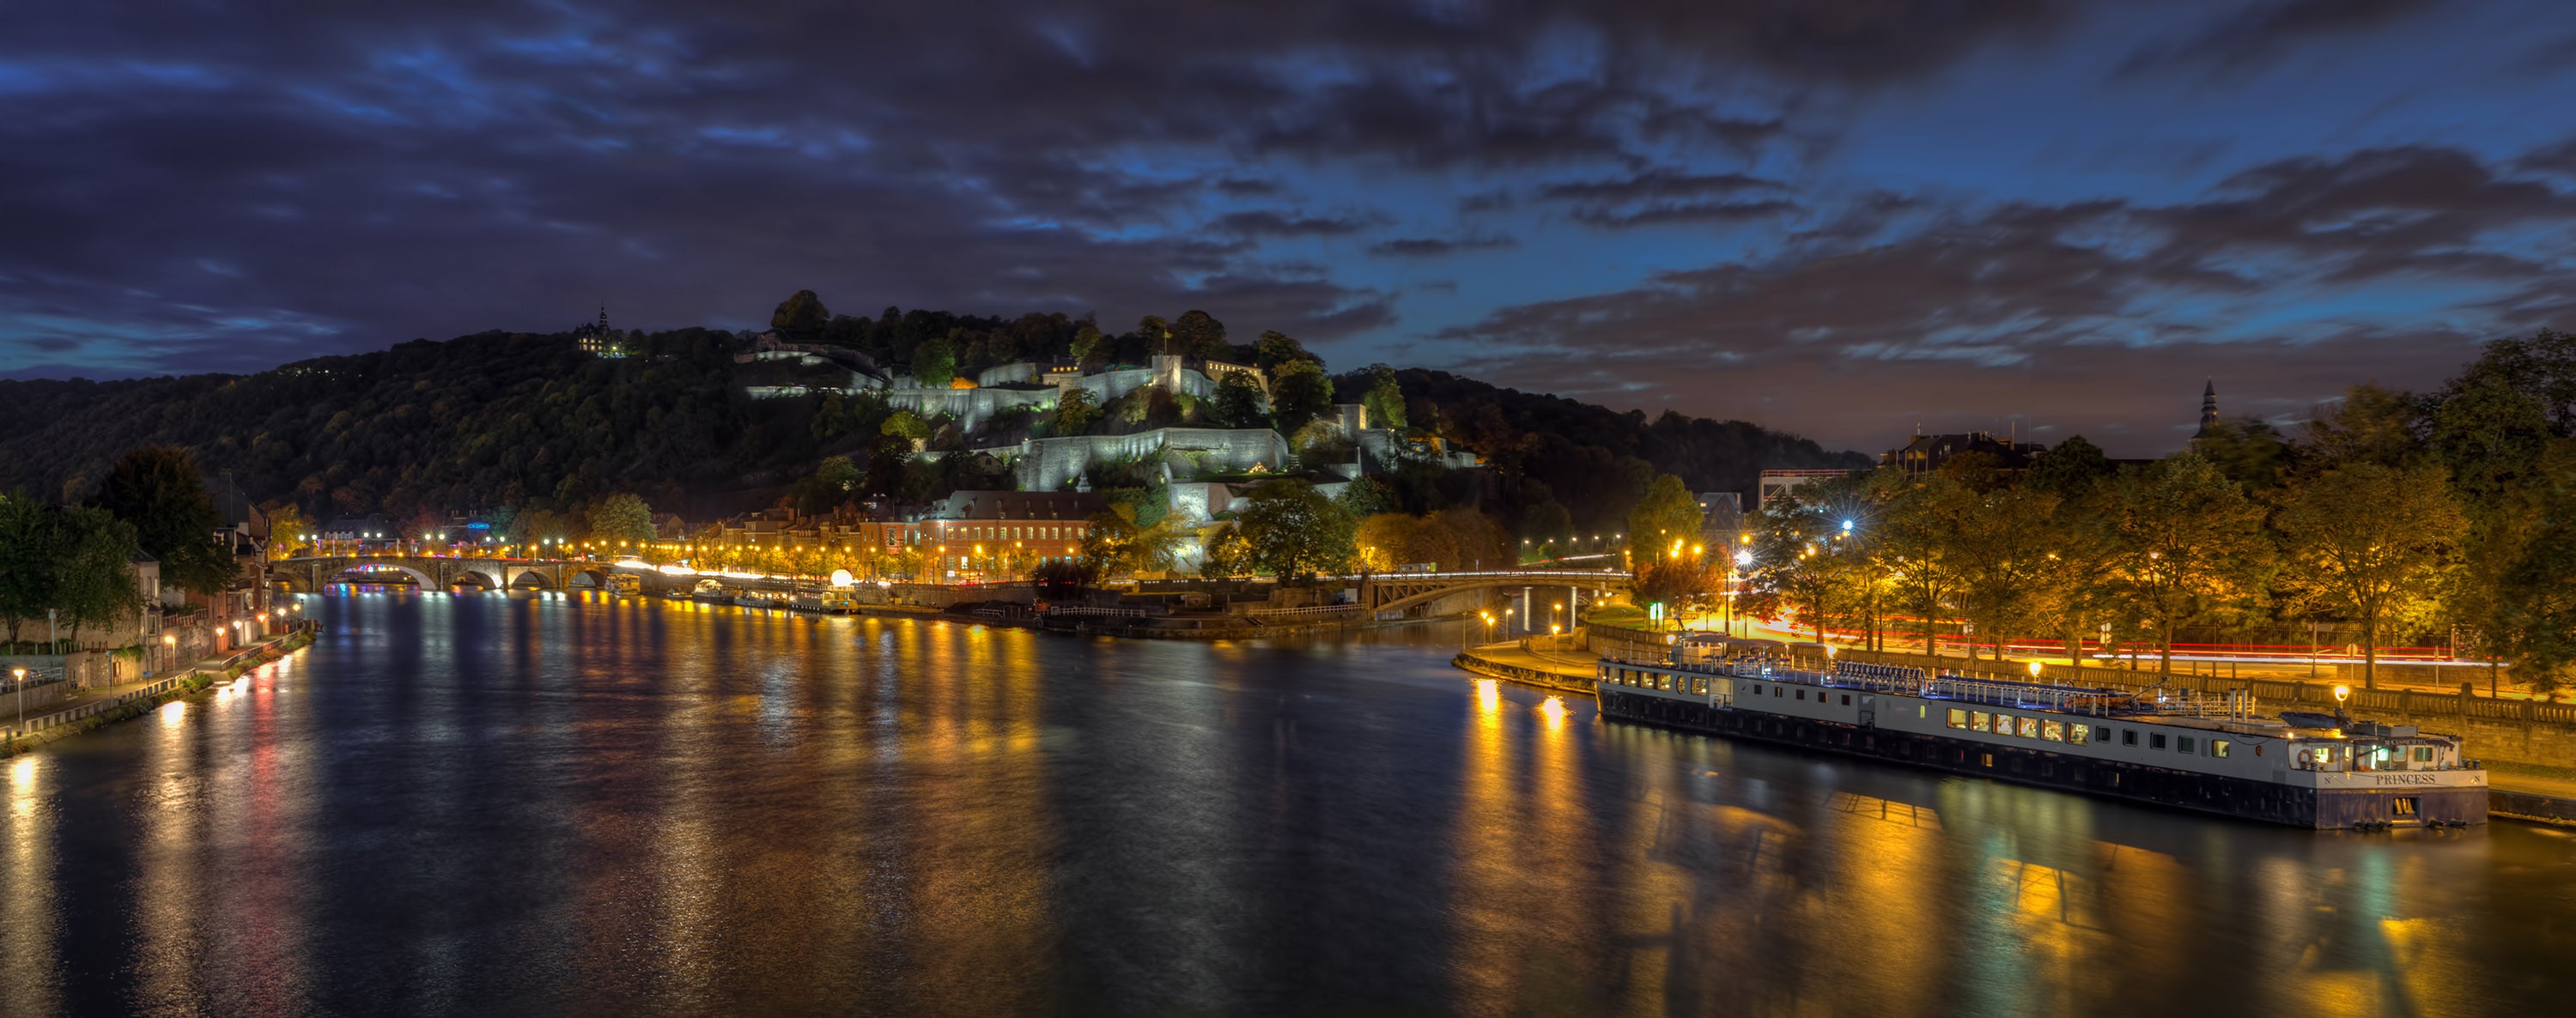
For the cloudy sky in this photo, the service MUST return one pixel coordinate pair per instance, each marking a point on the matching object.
(1839, 217)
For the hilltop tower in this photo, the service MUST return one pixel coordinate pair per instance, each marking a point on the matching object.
(599, 340)
(2208, 408)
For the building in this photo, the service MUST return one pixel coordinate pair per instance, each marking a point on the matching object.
(1721, 515)
(2208, 409)
(1926, 453)
(1775, 483)
(601, 341)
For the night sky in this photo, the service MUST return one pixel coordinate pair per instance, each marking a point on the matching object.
(1837, 218)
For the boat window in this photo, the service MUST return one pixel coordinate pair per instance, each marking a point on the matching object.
(1847, 699)
(2423, 752)
(2079, 734)
(1976, 721)
(1802, 694)
(2101, 733)
(2029, 727)
(2053, 731)
(1924, 711)
(2189, 745)
(1775, 692)
(2404, 805)
(2128, 736)
(1663, 682)
(2156, 740)
(2003, 724)
(1757, 689)
(1957, 718)
(1699, 687)
(2218, 747)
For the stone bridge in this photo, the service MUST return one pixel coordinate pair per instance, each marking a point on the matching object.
(1397, 592)
(304, 575)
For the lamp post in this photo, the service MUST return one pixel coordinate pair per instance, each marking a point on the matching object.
(18, 678)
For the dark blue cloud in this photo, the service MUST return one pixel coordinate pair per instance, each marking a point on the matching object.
(1835, 216)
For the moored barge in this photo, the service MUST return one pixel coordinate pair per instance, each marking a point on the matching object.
(2216, 756)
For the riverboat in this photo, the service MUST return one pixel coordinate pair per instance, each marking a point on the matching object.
(2215, 755)
(751, 600)
(711, 592)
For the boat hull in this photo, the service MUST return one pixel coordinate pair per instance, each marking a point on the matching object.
(2316, 808)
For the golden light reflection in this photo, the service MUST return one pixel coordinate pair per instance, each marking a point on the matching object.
(1489, 695)
(29, 967)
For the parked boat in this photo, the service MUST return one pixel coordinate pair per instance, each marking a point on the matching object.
(711, 592)
(752, 600)
(2213, 755)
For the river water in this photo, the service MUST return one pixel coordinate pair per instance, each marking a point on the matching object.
(565, 804)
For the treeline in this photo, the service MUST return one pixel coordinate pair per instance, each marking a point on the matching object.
(2395, 514)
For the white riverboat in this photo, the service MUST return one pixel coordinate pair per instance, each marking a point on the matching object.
(2214, 755)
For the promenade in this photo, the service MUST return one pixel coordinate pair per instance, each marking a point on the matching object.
(41, 724)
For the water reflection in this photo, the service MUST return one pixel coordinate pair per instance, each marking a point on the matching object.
(593, 805)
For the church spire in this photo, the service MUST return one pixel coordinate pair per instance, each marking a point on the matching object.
(2208, 408)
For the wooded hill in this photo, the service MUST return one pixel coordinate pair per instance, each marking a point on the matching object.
(522, 420)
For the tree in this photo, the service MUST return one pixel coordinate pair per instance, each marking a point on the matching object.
(2248, 450)
(800, 317)
(1075, 412)
(1385, 400)
(1678, 582)
(2005, 563)
(934, 364)
(623, 517)
(1239, 403)
(288, 531)
(1274, 349)
(1299, 393)
(1294, 530)
(158, 491)
(2070, 469)
(1228, 555)
(1197, 334)
(2184, 544)
(1916, 539)
(1088, 344)
(2369, 541)
(1666, 522)
(2369, 424)
(2541, 369)
(73, 560)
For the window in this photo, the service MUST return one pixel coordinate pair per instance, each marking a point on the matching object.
(2053, 731)
(2101, 734)
(1775, 693)
(1802, 694)
(1847, 699)
(2079, 734)
(1976, 721)
(2188, 745)
(2128, 736)
(1757, 689)
(2424, 754)
(2404, 805)
(2156, 741)
(2029, 727)
(2218, 747)
(1699, 687)
(1663, 681)
(1923, 711)
(1957, 718)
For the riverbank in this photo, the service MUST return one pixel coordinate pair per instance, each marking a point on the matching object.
(94, 708)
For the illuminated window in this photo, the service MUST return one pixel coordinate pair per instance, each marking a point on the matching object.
(2029, 727)
(2404, 805)
(2218, 747)
(1976, 721)
(2053, 731)
(1775, 692)
(1956, 718)
(1699, 687)
(2079, 734)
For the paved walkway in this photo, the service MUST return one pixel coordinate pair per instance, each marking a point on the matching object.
(122, 690)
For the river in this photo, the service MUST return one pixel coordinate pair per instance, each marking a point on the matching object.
(570, 804)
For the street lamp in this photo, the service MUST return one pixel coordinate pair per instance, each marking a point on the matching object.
(18, 678)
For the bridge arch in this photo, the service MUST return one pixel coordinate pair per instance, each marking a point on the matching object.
(424, 579)
(490, 581)
(1404, 592)
(544, 580)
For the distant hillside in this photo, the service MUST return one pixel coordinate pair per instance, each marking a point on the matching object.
(477, 422)
(1594, 460)
(514, 419)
